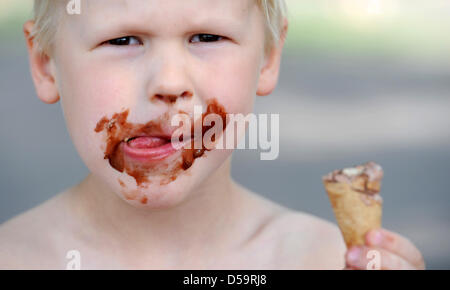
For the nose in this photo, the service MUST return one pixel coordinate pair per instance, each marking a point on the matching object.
(170, 82)
(170, 98)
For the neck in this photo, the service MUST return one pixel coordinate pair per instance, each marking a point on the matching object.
(207, 218)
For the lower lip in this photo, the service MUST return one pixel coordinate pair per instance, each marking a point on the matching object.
(148, 149)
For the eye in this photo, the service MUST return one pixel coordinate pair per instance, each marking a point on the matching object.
(207, 38)
(121, 41)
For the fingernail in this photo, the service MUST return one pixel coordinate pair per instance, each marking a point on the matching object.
(376, 237)
(354, 254)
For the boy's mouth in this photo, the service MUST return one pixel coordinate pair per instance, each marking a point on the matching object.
(147, 149)
(140, 149)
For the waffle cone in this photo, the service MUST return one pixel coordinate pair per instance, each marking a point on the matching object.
(356, 213)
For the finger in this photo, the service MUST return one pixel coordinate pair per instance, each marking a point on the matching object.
(366, 258)
(396, 244)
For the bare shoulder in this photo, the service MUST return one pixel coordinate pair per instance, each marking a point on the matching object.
(28, 240)
(296, 240)
(307, 242)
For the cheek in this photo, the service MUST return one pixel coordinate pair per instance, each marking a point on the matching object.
(232, 80)
(88, 93)
(95, 88)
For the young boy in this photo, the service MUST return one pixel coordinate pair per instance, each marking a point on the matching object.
(122, 69)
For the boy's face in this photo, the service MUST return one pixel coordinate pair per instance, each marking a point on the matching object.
(154, 59)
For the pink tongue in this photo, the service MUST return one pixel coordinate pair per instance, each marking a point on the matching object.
(147, 142)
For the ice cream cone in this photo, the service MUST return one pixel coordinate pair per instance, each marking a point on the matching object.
(353, 193)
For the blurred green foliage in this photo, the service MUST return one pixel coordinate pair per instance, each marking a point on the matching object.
(12, 16)
(413, 29)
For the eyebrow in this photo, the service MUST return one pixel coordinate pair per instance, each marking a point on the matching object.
(210, 23)
(221, 22)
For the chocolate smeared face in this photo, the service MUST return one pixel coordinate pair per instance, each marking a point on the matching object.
(145, 150)
(115, 87)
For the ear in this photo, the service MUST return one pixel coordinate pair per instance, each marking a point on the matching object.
(41, 69)
(268, 77)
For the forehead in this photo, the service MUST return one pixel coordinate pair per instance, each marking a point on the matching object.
(165, 11)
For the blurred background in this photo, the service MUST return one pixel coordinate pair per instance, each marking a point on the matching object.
(360, 80)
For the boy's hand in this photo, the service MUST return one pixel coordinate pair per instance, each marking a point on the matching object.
(384, 250)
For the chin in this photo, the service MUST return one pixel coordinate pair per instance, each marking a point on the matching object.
(156, 197)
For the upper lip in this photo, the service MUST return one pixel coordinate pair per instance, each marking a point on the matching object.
(166, 137)
(163, 133)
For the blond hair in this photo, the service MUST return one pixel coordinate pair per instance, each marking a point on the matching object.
(275, 11)
(47, 13)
